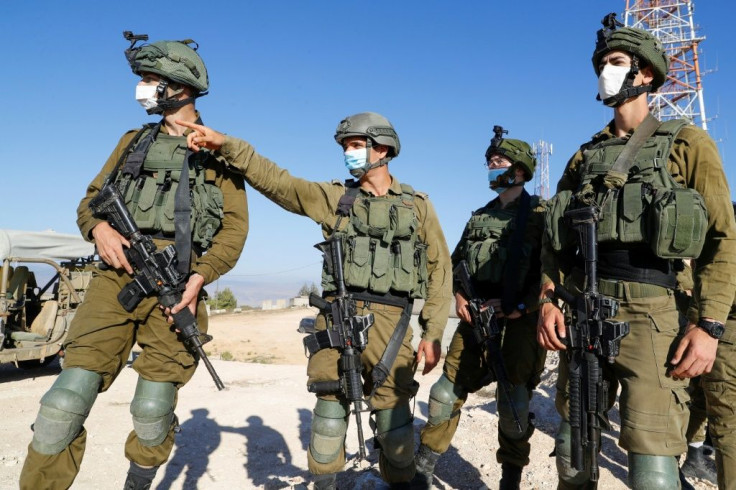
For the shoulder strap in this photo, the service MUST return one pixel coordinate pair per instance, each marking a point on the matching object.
(510, 273)
(124, 154)
(619, 172)
(134, 160)
(345, 204)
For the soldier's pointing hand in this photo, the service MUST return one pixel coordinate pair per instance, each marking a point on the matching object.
(202, 137)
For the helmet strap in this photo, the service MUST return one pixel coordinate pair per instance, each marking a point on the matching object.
(167, 102)
(628, 90)
(358, 173)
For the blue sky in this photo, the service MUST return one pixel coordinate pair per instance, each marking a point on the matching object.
(284, 73)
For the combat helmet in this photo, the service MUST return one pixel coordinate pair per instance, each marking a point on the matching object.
(517, 151)
(175, 61)
(376, 129)
(644, 47)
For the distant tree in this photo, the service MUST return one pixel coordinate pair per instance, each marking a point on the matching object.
(306, 289)
(223, 300)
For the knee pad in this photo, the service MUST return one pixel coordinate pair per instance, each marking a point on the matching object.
(519, 397)
(152, 409)
(329, 425)
(395, 434)
(563, 457)
(653, 472)
(64, 408)
(442, 396)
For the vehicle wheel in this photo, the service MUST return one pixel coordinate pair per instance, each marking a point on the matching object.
(35, 363)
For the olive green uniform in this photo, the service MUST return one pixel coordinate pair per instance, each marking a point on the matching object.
(102, 333)
(523, 357)
(653, 408)
(319, 201)
(719, 386)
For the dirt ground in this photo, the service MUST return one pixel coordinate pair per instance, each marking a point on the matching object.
(254, 434)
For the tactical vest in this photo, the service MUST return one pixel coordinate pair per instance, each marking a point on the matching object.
(382, 250)
(650, 208)
(487, 244)
(150, 195)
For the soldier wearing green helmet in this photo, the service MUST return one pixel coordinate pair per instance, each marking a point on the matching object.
(148, 165)
(634, 174)
(514, 220)
(394, 252)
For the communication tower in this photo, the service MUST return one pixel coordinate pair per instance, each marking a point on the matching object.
(542, 150)
(671, 21)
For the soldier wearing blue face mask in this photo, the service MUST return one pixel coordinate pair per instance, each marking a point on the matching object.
(500, 244)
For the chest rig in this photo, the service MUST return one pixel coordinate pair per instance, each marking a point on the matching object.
(494, 245)
(383, 253)
(638, 200)
(149, 180)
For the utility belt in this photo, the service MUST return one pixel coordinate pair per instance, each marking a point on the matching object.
(627, 290)
(634, 264)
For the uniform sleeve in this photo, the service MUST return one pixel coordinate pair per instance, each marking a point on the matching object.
(85, 221)
(316, 200)
(714, 275)
(433, 317)
(228, 242)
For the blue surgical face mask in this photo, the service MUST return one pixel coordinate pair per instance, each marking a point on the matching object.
(356, 159)
(494, 174)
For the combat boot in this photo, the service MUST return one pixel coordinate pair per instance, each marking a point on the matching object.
(139, 478)
(426, 459)
(697, 464)
(325, 482)
(510, 477)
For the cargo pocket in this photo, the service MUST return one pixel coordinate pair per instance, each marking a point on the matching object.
(145, 214)
(608, 215)
(665, 338)
(631, 223)
(420, 267)
(169, 207)
(380, 274)
(358, 267)
(403, 270)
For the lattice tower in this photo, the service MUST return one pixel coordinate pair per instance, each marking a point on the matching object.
(672, 22)
(542, 150)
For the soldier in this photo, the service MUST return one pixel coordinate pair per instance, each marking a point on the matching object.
(666, 166)
(509, 281)
(146, 165)
(719, 386)
(394, 252)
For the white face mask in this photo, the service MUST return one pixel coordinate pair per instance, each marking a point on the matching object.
(611, 80)
(146, 96)
(356, 161)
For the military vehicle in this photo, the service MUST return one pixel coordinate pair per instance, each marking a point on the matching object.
(44, 276)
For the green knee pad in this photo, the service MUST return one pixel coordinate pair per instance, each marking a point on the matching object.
(653, 472)
(563, 453)
(519, 397)
(64, 408)
(395, 433)
(152, 409)
(442, 397)
(329, 426)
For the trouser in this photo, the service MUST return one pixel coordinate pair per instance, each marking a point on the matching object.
(100, 339)
(395, 392)
(524, 362)
(653, 405)
(719, 387)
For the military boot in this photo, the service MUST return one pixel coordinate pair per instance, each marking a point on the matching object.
(139, 478)
(697, 464)
(510, 477)
(425, 460)
(325, 482)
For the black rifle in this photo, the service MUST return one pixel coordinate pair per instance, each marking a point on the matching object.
(348, 333)
(156, 272)
(591, 338)
(487, 334)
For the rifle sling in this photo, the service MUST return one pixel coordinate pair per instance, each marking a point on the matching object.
(619, 172)
(510, 273)
(182, 216)
(382, 369)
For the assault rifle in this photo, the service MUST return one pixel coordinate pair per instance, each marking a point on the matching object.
(348, 333)
(155, 272)
(591, 339)
(487, 334)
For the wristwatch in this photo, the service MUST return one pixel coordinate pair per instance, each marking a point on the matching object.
(714, 329)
